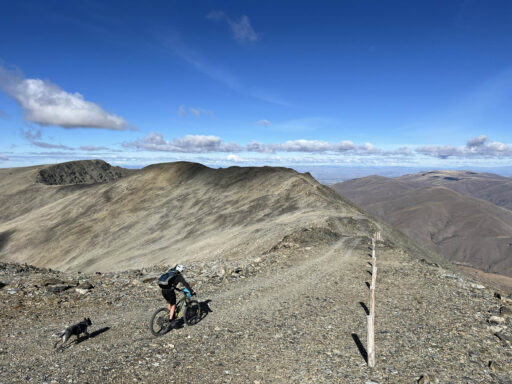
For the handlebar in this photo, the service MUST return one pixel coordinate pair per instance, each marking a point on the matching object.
(183, 291)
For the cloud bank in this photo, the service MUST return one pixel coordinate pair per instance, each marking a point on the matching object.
(45, 103)
(476, 147)
(209, 144)
(93, 148)
(187, 144)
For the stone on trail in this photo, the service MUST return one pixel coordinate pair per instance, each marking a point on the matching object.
(428, 379)
(85, 285)
(505, 311)
(496, 320)
(57, 288)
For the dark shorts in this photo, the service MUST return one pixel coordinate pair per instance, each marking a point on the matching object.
(169, 295)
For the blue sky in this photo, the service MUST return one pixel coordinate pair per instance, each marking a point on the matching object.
(359, 83)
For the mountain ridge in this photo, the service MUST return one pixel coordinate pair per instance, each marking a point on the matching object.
(461, 226)
(165, 212)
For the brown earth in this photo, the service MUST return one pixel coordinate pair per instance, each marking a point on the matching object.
(460, 227)
(486, 186)
(294, 315)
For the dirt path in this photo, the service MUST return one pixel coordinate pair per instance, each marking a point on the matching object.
(269, 328)
(300, 321)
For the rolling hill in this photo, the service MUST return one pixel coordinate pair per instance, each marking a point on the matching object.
(454, 213)
(99, 218)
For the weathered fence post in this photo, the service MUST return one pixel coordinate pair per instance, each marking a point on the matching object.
(372, 291)
(370, 319)
(370, 340)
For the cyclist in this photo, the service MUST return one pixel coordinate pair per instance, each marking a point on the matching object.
(168, 282)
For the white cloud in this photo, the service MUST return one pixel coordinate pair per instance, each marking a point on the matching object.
(304, 146)
(242, 29)
(264, 122)
(45, 103)
(93, 148)
(181, 111)
(401, 151)
(187, 144)
(312, 146)
(235, 158)
(256, 146)
(475, 142)
(209, 144)
(3, 157)
(479, 147)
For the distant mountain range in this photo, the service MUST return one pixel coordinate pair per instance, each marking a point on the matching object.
(465, 216)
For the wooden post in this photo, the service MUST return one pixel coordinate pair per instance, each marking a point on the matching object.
(374, 277)
(370, 346)
(372, 300)
(370, 319)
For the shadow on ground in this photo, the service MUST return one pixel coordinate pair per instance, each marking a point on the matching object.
(4, 238)
(366, 310)
(360, 347)
(204, 311)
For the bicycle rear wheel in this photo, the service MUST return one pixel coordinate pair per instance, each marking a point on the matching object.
(159, 323)
(192, 312)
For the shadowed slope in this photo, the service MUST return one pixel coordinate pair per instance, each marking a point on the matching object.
(468, 230)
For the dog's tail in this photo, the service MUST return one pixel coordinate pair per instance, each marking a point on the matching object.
(58, 334)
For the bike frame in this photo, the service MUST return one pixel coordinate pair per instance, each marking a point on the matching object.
(180, 304)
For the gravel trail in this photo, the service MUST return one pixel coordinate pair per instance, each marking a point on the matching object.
(298, 319)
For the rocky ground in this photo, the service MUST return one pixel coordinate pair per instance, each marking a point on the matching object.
(294, 315)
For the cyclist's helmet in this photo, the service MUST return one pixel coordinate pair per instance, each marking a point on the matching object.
(180, 268)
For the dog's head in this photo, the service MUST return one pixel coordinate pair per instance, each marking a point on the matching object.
(87, 321)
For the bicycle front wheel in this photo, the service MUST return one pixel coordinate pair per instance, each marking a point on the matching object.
(159, 323)
(192, 312)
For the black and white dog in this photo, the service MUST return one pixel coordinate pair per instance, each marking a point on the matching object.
(76, 330)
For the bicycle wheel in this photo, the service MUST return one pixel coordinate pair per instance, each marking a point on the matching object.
(159, 323)
(192, 312)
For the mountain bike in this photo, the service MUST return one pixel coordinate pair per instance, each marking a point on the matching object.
(186, 309)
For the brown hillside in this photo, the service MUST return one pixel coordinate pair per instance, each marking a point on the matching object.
(166, 213)
(464, 229)
(486, 186)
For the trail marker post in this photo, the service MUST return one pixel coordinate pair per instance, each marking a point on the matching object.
(370, 319)
(370, 340)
